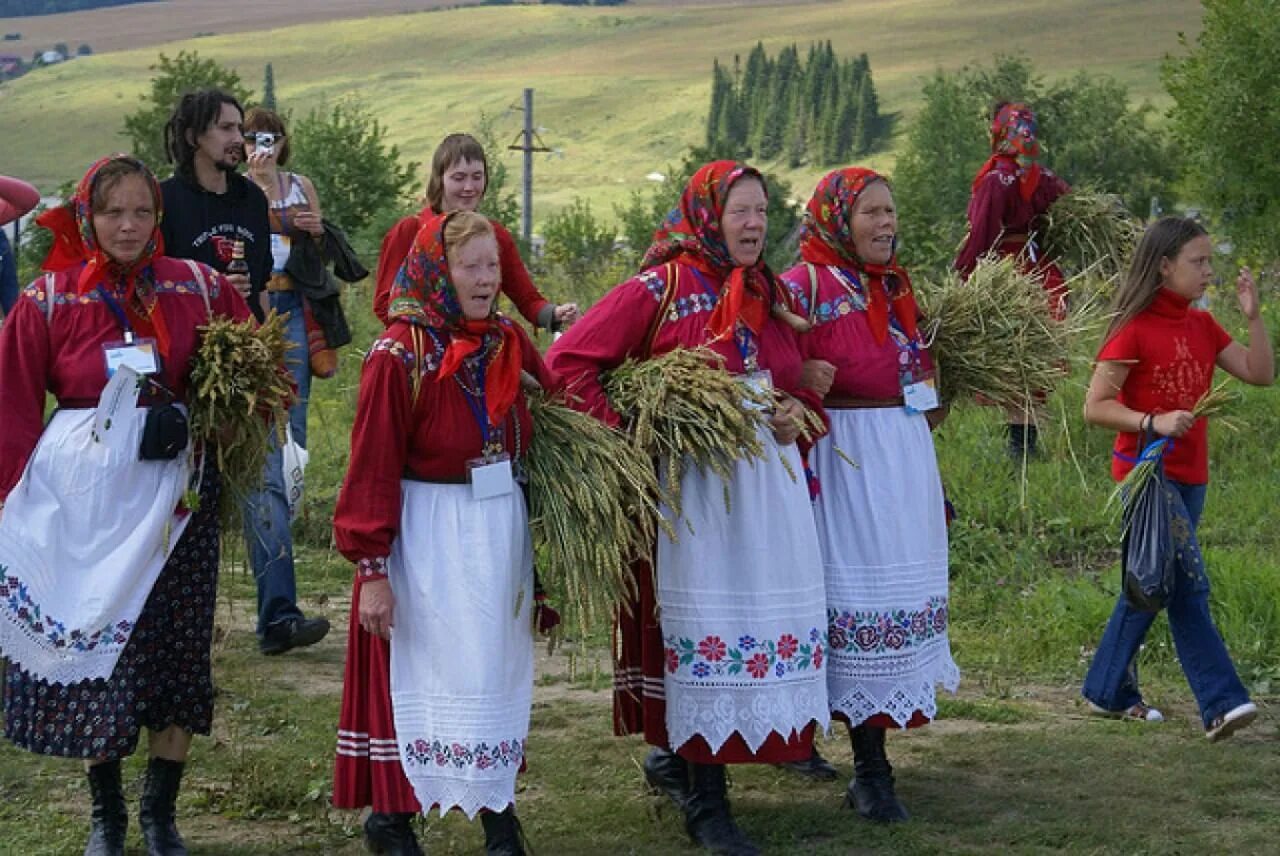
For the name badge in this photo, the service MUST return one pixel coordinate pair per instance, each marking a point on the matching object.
(140, 355)
(490, 476)
(760, 383)
(921, 396)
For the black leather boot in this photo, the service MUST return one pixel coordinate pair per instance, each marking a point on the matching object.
(159, 793)
(391, 834)
(706, 814)
(814, 767)
(667, 773)
(502, 833)
(1024, 440)
(871, 791)
(110, 817)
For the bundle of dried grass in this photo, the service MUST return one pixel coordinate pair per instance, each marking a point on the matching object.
(995, 339)
(593, 509)
(239, 393)
(1212, 403)
(1090, 232)
(685, 408)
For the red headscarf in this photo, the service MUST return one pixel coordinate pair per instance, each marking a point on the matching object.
(1013, 135)
(424, 295)
(76, 243)
(692, 233)
(826, 238)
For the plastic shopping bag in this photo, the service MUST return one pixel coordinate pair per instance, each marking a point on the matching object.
(1148, 560)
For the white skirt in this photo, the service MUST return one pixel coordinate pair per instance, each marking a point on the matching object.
(83, 537)
(884, 542)
(742, 606)
(462, 645)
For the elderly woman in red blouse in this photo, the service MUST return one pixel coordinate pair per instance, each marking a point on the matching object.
(730, 669)
(1011, 192)
(439, 675)
(881, 524)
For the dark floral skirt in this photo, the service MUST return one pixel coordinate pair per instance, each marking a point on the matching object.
(163, 677)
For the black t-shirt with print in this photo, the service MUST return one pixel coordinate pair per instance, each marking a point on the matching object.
(202, 226)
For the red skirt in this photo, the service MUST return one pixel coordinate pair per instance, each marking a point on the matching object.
(367, 771)
(639, 699)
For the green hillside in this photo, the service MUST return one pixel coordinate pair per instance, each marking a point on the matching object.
(621, 90)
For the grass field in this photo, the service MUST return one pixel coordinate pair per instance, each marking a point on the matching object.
(1014, 763)
(621, 91)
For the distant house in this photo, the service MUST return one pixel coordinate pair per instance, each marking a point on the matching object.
(51, 58)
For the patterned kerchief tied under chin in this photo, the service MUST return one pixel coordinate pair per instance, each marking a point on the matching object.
(692, 233)
(826, 238)
(423, 294)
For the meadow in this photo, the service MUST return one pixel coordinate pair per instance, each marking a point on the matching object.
(621, 91)
(1014, 764)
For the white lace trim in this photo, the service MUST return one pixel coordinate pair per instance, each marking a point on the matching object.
(468, 796)
(751, 712)
(898, 698)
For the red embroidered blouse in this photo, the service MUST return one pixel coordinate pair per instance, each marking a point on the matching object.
(431, 440)
(997, 207)
(63, 355)
(841, 335)
(615, 329)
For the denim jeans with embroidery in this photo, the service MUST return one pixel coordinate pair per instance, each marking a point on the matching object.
(1112, 681)
(266, 513)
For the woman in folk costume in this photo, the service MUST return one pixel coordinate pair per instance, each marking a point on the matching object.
(881, 524)
(107, 583)
(459, 179)
(730, 670)
(438, 529)
(1011, 192)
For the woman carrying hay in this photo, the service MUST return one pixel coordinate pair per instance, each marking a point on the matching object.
(459, 179)
(108, 583)
(1155, 366)
(881, 525)
(732, 668)
(1010, 194)
(431, 515)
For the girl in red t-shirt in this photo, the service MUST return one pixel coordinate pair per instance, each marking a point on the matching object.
(1156, 362)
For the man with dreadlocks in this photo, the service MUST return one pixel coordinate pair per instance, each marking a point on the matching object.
(208, 207)
(1011, 192)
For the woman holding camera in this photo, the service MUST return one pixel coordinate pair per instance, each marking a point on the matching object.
(294, 212)
(109, 582)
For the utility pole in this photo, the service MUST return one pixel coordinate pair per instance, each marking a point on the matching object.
(525, 143)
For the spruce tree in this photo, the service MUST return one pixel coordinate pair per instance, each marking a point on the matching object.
(269, 87)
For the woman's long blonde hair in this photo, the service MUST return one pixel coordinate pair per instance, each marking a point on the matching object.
(1163, 239)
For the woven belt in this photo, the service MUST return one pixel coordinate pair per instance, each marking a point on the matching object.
(407, 475)
(840, 402)
(280, 282)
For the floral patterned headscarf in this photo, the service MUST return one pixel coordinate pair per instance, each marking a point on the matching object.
(75, 243)
(423, 294)
(826, 238)
(692, 233)
(1014, 135)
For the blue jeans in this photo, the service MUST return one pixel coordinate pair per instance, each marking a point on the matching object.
(298, 359)
(266, 513)
(1112, 681)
